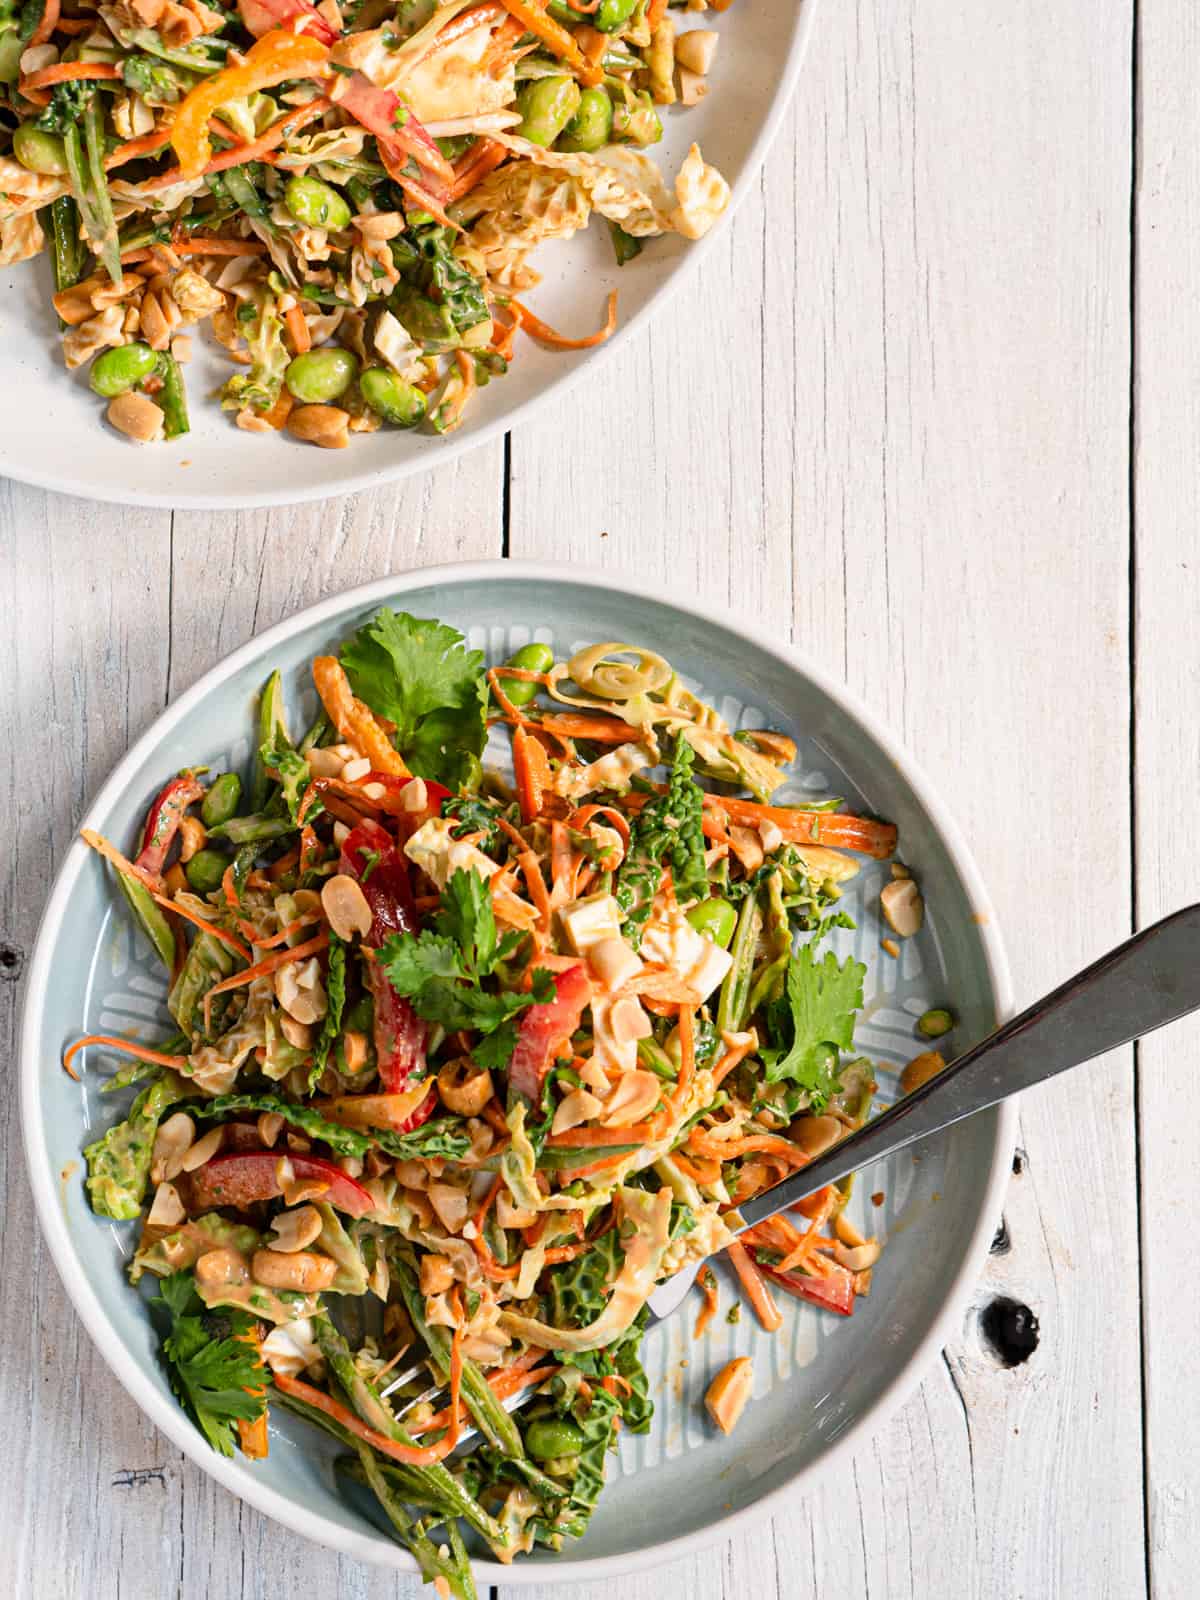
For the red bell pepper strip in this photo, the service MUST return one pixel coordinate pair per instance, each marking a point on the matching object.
(246, 1177)
(400, 1035)
(395, 803)
(369, 854)
(377, 109)
(297, 16)
(544, 1029)
(163, 820)
(835, 1293)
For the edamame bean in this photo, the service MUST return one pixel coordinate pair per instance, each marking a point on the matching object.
(549, 1439)
(591, 126)
(317, 204)
(38, 151)
(221, 801)
(935, 1023)
(402, 404)
(546, 106)
(715, 919)
(612, 14)
(117, 371)
(320, 375)
(12, 48)
(529, 658)
(205, 870)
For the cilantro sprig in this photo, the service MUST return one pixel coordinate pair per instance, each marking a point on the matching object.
(813, 1020)
(212, 1375)
(294, 778)
(419, 674)
(443, 969)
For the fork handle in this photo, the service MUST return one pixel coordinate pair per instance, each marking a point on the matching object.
(1151, 979)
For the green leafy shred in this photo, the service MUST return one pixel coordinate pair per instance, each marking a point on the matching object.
(667, 833)
(442, 970)
(294, 779)
(118, 1163)
(419, 674)
(335, 989)
(442, 1136)
(813, 1020)
(67, 104)
(212, 1370)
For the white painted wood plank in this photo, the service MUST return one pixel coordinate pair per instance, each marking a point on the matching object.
(919, 454)
(1168, 756)
(87, 588)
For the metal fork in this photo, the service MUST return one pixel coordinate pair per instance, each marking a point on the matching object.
(1150, 980)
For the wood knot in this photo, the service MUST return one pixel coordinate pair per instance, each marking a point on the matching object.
(1011, 1329)
(12, 962)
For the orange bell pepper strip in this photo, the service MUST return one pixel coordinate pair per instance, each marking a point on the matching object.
(276, 58)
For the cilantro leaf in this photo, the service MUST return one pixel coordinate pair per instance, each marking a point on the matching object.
(442, 969)
(211, 1376)
(493, 1053)
(294, 778)
(335, 989)
(814, 1020)
(419, 674)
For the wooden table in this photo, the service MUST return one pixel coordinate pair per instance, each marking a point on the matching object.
(930, 408)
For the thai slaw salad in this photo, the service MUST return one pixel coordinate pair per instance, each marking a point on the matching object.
(463, 1067)
(347, 193)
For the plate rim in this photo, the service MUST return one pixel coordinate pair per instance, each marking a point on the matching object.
(450, 450)
(169, 1418)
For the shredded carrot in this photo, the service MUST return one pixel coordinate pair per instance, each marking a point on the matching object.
(836, 829)
(545, 334)
(757, 1292)
(799, 1256)
(704, 1144)
(583, 1138)
(354, 720)
(471, 170)
(655, 12)
(510, 711)
(297, 327)
(257, 150)
(456, 1368)
(491, 1267)
(532, 17)
(734, 1055)
(522, 1374)
(277, 869)
(707, 1284)
(705, 1170)
(140, 1051)
(261, 969)
(532, 770)
(407, 1455)
(580, 819)
(252, 1435)
(596, 1166)
(600, 730)
(498, 54)
(148, 881)
(211, 245)
(66, 72)
(147, 145)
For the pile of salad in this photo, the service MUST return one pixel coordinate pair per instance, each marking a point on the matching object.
(462, 1067)
(348, 193)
